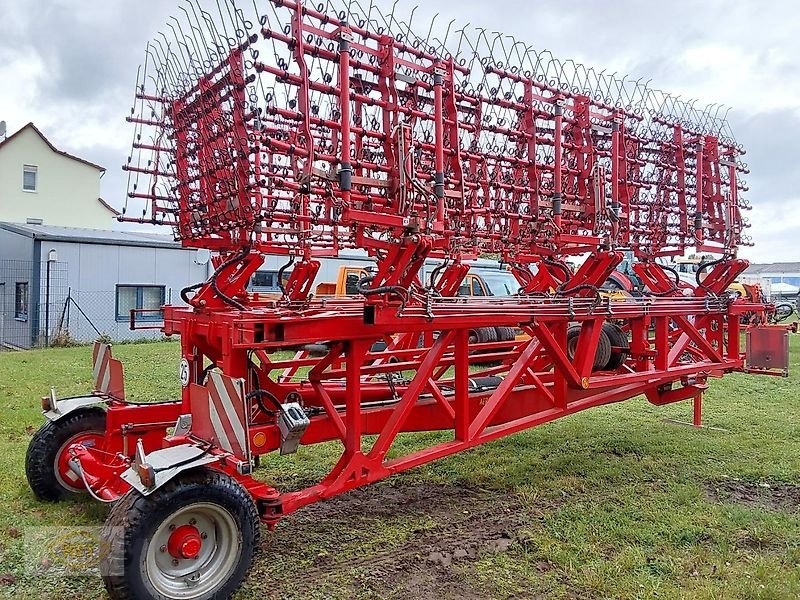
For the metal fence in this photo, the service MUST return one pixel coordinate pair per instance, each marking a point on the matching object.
(85, 315)
(38, 309)
(30, 293)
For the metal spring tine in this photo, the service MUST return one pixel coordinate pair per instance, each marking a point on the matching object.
(498, 37)
(197, 28)
(218, 49)
(708, 120)
(231, 41)
(391, 20)
(634, 98)
(443, 42)
(165, 69)
(644, 92)
(462, 31)
(430, 29)
(188, 67)
(206, 55)
(241, 34)
(718, 122)
(534, 65)
(168, 53)
(409, 34)
(157, 85)
(136, 130)
(384, 29)
(366, 14)
(185, 37)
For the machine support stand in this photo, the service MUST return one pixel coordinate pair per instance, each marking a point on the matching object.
(697, 416)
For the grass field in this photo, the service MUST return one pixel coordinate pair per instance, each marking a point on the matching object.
(610, 503)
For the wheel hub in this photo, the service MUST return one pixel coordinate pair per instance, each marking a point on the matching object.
(64, 473)
(192, 551)
(185, 542)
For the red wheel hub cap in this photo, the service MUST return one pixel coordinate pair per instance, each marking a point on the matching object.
(185, 542)
(90, 439)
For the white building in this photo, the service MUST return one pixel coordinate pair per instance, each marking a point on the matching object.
(42, 184)
(62, 268)
(784, 277)
(85, 282)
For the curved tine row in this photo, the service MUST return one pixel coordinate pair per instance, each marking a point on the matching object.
(490, 68)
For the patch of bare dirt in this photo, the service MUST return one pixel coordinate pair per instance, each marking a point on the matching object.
(747, 541)
(462, 525)
(770, 496)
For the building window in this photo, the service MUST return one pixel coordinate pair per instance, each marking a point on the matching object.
(21, 301)
(267, 281)
(30, 178)
(148, 298)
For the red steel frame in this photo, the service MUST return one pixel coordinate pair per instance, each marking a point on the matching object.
(411, 149)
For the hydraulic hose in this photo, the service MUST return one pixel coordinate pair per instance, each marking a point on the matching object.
(227, 299)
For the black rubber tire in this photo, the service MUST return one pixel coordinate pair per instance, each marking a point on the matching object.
(472, 337)
(505, 334)
(44, 448)
(135, 518)
(487, 335)
(573, 331)
(603, 353)
(617, 338)
(601, 356)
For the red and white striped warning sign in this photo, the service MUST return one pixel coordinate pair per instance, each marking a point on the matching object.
(219, 414)
(109, 377)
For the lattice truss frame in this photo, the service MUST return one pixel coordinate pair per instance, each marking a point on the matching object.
(473, 142)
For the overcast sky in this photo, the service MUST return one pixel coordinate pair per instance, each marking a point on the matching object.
(70, 67)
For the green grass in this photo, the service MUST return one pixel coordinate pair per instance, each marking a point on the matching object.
(609, 503)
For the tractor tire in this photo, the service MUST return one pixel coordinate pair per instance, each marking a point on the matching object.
(505, 334)
(601, 356)
(487, 335)
(619, 339)
(573, 332)
(193, 539)
(603, 353)
(46, 461)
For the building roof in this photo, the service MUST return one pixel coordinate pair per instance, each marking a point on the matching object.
(783, 267)
(53, 148)
(54, 233)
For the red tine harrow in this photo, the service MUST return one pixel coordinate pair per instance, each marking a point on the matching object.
(304, 131)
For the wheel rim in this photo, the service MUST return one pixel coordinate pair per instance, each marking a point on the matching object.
(64, 474)
(193, 552)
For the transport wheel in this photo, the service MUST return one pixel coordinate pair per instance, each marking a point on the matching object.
(505, 334)
(617, 338)
(192, 539)
(472, 337)
(601, 356)
(603, 353)
(47, 459)
(573, 331)
(487, 335)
